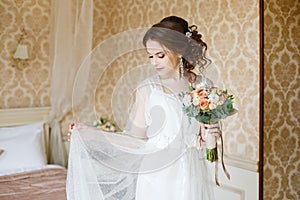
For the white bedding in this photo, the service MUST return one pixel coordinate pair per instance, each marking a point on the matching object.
(28, 169)
(23, 147)
(24, 170)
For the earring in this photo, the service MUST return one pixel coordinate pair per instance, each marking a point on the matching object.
(197, 69)
(181, 70)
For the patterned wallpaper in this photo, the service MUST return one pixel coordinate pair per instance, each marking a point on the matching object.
(281, 100)
(230, 28)
(29, 86)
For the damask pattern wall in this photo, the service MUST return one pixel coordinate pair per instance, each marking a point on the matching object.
(28, 86)
(230, 28)
(281, 100)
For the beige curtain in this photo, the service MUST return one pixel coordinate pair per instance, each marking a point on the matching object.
(71, 42)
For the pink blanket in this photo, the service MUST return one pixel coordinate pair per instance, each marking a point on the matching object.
(44, 184)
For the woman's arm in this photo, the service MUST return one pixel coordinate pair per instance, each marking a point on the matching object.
(136, 125)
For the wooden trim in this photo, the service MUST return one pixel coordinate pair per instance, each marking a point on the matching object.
(233, 189)
(242, 164)
(261, 105)
(21, 116)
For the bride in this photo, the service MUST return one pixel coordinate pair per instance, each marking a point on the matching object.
(158, 156)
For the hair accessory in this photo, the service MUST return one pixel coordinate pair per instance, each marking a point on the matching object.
(181, 70)
(190, 30)
(188, 34)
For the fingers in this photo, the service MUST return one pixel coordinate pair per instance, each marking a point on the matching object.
(71, 126)
(210, 126)
(213, 129)
(201, 134)
(69, 137)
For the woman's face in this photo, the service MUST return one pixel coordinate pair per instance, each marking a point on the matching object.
(166, 63)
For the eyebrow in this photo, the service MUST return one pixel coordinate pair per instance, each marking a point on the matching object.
(156, 53)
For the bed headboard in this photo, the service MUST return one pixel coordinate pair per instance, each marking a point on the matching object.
(21, 116)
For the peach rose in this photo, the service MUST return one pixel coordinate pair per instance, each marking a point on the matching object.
(202, 94)
(203, 104)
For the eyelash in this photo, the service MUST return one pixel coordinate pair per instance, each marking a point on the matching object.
(161, 56)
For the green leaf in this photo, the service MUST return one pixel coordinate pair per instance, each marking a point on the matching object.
(191, 88)
(212, 154)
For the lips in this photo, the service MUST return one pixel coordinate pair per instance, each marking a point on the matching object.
(158, 68)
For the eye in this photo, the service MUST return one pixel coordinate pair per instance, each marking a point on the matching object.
(150, 56)
(161, 55)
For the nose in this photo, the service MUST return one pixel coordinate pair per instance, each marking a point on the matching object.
(154, 62)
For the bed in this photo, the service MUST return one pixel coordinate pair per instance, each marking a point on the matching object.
(24, 146)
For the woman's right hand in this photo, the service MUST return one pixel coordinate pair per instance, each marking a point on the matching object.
(71, 125)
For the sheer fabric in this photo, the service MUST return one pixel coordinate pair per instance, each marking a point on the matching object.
(71, 41)
(167, 165)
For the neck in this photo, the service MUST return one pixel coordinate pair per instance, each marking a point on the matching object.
(173, 85)
(172, 76)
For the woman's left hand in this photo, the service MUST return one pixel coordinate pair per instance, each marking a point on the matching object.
(209, 129)
(213, 129)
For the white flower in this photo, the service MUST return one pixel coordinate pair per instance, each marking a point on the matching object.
(222, 100)
(196, 101)
(212, 106)
(200, 85)
(95, 123)
(213, 98)
(112, 128)
(186, 100)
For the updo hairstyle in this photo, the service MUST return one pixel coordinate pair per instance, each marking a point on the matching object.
(175, 34)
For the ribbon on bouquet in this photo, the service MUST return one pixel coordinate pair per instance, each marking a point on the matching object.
(203, 138)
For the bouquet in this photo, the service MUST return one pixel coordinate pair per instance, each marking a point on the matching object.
(208, 106)
(105, 125)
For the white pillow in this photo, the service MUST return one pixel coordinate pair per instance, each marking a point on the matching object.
(24, 147)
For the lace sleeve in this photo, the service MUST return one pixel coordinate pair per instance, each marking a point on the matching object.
(138, 123)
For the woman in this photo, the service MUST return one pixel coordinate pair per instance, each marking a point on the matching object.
(159, 156)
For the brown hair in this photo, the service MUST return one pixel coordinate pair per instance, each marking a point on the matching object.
(171, 33)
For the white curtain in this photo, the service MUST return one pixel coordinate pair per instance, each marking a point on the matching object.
(70, 42)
